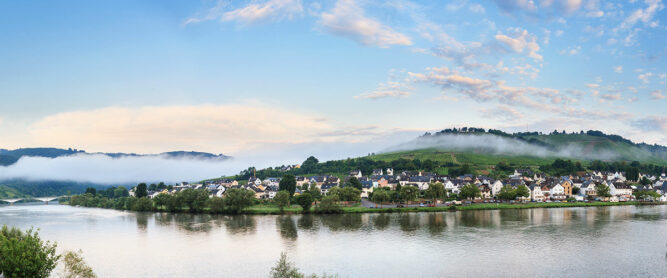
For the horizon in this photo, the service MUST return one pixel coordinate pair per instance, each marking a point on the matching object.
(246, 77)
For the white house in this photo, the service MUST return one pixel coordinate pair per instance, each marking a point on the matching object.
(536, 193)
(496, 187)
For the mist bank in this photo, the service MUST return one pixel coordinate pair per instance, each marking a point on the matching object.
(493, 144)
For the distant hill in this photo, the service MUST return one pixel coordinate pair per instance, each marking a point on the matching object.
(480, 146)
(9, 157)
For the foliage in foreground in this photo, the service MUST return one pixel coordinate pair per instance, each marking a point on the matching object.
(75, 266)
(24, 254)
(285, 269)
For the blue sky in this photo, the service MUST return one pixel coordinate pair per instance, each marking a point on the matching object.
(238, 77)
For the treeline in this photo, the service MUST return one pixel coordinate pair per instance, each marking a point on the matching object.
(188, 200)
(632, 170)
(312, 167)
(562, 167)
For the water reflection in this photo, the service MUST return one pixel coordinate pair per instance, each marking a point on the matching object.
(409, 222)
(287, 227)
(381, 221)
(306, 222)
(240, 224)
(142, 221)
(346, 222)
(436, 223)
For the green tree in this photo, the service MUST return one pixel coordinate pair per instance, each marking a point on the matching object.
(522, 191)
(632, 173)
(305, 200)
(237, 199)
(380, 196)
(507, 193)
(288, 182)
(436, 191)
(315, 192)
(469, 191)
(645, 181)
(142, 204)
(194, 199)
(350, 194)
(24, 254)
(282, 199)
(409, 193)
(75, 266)
(91, 190)
(140, 191)
(329, 204)
(120, 191)
(285, 269)
(336, 192)
(602, 190)
(216, 204)
(576, 190)
(353, 182)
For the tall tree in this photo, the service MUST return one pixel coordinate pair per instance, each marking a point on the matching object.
(409, 193)
(354, 182)
(469, 191)
(141, 190)
(602, 190)
(380, 196)
(305, 200)
(282, 199)
(436, 191)
(522, 191)
(288, 183)
(507, 193)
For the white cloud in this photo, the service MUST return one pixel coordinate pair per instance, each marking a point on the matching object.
(644, 15)
(503, 112)
(657, 94)
(521, 42)
(347, 19)
(644, 77)
(228, 128)
(592, 85)
(610, 97)
(618, 69)
(477, 8)
(389, 89)
(254, 12)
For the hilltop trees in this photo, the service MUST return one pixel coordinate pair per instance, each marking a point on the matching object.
(288, 183)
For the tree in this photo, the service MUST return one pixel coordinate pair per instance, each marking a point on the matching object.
(335, 192)
(315, 192)
(305, 200)
(329, 204)
(24, 254)
(522, 191)
(140, 191)
(195, 199)
(507, 193)
(120, 191)
(237, 199)
(216, 204)
(350, 194)
(285, 269)
(288, 182)
(576, 190)
(436, 191)
(409, 193)
(645, 181)
(354, 182)
(152, 187)
(380, 196)
(75, 266)
(602, 190)
(91, 190)
(282, 199)
(632, 174)
(469, 191)
(142, 204)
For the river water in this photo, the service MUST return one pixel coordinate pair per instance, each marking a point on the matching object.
(623, 241)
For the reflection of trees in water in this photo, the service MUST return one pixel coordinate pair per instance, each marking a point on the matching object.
(409, 222)
(193, 222)
(335, 222)
(436, 223)
(240, 224)
(164, 218)
(306, 222)
(287, 227)
(142, 220)
(479, 218)
(381, 221)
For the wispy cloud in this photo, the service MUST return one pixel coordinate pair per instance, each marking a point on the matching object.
(389, 89)
(254, 12)
(520, 41)
(348, 19)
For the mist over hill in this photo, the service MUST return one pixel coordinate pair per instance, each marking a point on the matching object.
(590, 145)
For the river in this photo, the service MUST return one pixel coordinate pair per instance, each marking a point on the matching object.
(617, 241)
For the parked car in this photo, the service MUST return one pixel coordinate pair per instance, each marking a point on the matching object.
(421, 205)
(400, 205)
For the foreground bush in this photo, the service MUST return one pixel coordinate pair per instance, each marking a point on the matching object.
(24, 254)
(329, 204)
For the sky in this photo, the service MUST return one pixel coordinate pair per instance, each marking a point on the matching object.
(336, 78)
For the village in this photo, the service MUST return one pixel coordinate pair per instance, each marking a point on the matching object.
(540, 187)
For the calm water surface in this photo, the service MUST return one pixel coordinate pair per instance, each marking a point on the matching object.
(624, 241)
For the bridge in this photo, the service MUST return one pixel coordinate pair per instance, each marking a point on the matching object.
(43, 199)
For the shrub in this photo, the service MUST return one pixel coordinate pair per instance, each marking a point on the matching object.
(24, 254)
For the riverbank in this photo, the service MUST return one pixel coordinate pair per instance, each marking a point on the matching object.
(265, 209)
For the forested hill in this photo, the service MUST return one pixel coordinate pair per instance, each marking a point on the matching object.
(9, 157)
(585, 145)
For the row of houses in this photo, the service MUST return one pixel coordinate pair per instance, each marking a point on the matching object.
(541, 187)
